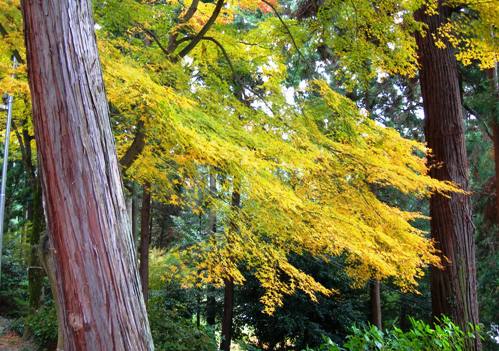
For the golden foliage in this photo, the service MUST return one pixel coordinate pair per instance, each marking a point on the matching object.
(308, 169)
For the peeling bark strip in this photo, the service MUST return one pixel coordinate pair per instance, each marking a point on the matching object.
(453, 289)
(98, 284)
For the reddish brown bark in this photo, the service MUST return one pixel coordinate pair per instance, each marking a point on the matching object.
(145, 240)
(98, 287)
(453, 289)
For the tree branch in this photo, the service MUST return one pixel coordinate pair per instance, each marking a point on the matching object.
(224, 53)
(203, 31)
(15, 53)
(190, 12)
(172, 40)
(154, 37)
(471, 111)
(285, 27)
(135, 148)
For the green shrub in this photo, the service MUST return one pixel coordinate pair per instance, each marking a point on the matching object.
(16, 326)
(172, 331)
(13, 296)
(43, 326)
(444, 336)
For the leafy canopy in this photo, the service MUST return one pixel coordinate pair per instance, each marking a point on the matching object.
(305, 163)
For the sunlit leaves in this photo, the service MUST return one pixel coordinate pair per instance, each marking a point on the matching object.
(307, 167)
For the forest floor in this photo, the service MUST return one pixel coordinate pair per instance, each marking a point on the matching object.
(10, 341)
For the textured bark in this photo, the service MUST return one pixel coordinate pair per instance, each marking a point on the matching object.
(98, 287)
(375, 299)
(135, 213)
(229, 290)
(145, 240)
(46, 254)
(453, 289)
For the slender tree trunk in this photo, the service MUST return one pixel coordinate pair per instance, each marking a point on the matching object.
(228, 315)
(453, 289)
(375, 297)
(145, 239)
(47, 259)
(98, 287)
(211, 302)
(229, 289)
(198, 309)
(35, 271)
(404, 320)
(34, 214)
(211, 306)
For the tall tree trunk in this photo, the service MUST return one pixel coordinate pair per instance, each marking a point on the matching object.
(145, 239)
(404, 313)
(375, 299)
(492, 76)
(211, 306)
(98, 287)
(35, 216)
(228, 315)
(46, 254)
(35, 271)
(453, 289)
(211, 302)
(229, 288)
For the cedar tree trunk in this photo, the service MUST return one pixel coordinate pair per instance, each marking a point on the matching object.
(98, 288)
(453, 289)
